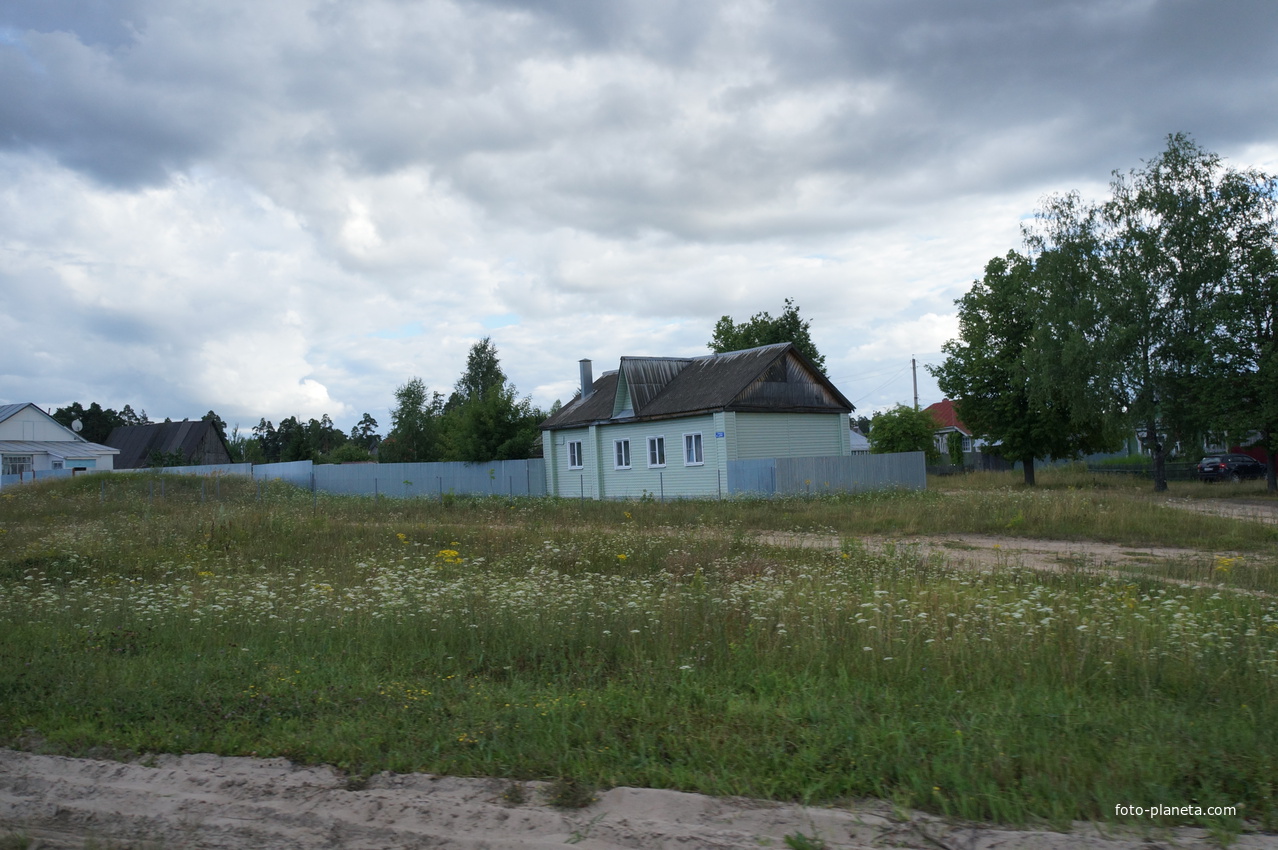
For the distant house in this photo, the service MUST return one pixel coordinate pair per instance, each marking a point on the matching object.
(947, 422)
(32, 441)
(194, 442)
(860, 443)
(669, 425)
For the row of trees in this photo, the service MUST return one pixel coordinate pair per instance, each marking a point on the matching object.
(1154, 312)
(482, 419)
(97, 421)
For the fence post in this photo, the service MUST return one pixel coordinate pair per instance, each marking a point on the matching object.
(375, 490)
(718, 475)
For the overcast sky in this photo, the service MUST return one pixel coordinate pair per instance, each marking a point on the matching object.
(294, 207)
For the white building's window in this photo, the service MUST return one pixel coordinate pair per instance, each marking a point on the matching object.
(692, 450)
(57, 464)
(15, 464)
(621, 453)
(574, 455)
(656, 451)
(967, 444)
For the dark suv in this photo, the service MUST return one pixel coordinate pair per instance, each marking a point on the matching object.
(1230, 468)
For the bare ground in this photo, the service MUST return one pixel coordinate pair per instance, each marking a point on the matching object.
(211, 802)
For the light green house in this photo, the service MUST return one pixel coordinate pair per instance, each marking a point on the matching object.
(669, 426)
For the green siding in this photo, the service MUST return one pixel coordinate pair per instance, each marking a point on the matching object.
(762, 435)
(675, 479)
(570, 483)
(746, 435)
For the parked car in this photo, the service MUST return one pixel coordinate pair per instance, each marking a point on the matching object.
(1230, 468)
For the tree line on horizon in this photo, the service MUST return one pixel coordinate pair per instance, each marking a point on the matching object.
(1151, 314)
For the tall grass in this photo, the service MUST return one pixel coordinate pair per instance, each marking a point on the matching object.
(635, 643)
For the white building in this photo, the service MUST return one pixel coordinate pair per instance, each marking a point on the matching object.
(32, 441)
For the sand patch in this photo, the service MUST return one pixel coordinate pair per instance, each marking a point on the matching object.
(216, 803)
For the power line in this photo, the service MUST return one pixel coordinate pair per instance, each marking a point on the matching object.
(895, 375)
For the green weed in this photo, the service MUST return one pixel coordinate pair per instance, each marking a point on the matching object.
(647, 644)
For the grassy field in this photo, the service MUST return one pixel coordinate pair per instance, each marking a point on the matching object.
(649, 644)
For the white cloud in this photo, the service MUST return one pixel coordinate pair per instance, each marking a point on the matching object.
(293, 208)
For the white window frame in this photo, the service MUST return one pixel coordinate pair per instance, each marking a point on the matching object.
(657, 452)
(17, 464)
(621, 453)
(693, 450)
(575, 459)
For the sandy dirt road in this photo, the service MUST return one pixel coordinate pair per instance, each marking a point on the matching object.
(215, 803)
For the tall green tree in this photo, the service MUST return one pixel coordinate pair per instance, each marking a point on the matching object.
(1249, 315)
(994, 370)
(763, 329)
(364, 433)
(293, 444)
(416, 425)
(904, 429)
(1135, 303)
(267, 442)
(1167, 260)
(487, 419)
(128, 417)
(483, 374)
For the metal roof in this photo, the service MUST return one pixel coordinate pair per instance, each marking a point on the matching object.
(7, 410)
(770, 378)
(57, 448)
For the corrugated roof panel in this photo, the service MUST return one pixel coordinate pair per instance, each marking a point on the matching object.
(57, 448)
(7, 410)
(646, 377)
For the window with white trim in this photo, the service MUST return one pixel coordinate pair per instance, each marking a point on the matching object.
(692, 455)
(16, 464)
(574, 455)
(656, 451)
(621, 453)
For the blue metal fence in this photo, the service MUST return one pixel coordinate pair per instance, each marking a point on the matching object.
(763, 477)
(841, 473)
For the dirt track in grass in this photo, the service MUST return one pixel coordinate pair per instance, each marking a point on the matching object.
(983, 551)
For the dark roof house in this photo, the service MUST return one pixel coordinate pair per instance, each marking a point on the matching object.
(197, 442)
(670, 425)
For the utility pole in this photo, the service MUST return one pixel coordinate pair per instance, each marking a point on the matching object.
(915, 372)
